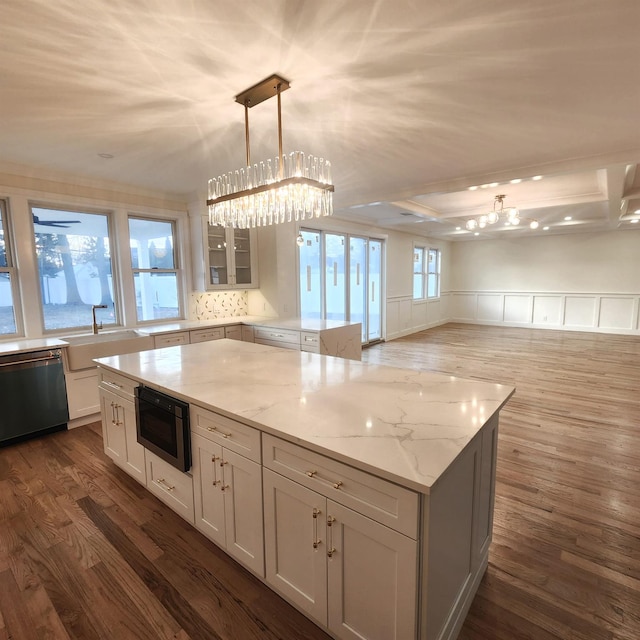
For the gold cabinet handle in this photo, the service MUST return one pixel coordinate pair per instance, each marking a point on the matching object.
(311, 473)
(216, 482)
(316, 540)
(338, 484)
(164, 485)
(330, 549)
(223, 462)
(216, 430)
(224, 487)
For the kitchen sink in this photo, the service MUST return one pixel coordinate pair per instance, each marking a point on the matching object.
(82, 349)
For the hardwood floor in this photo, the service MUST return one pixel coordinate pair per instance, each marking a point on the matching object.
(565, 557)
(86, 552)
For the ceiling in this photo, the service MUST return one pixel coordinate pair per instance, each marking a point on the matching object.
(413, 101)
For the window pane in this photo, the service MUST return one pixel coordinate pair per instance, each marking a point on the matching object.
(151, 244)
(375, 290)
(358, 283)
(74, 267)
(156, 295)
(310, 276)
(418, 277)
(7, 315)
(335, 287)
(3, 247)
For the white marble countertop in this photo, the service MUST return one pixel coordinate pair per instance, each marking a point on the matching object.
(32, 344)
(403, 425)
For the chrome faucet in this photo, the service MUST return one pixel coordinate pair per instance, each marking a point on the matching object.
(94, 325)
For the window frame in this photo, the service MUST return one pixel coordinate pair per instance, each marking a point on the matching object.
(118, 309)
(11, 270)
(177, 270)
(426, 274)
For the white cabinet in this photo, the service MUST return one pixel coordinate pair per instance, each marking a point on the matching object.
(247, 333)
(228, 501)
(334, 533)
(284, 338)
(233, 332)
(171, 339)
(204, 335)
(119, 425)
(325, 557)
(82, 392)
(171, 485)
(230, 258)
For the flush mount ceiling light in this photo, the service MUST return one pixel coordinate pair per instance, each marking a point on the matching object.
(512, 214)
(287, 188)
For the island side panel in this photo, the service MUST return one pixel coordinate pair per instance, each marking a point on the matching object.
(457, 525)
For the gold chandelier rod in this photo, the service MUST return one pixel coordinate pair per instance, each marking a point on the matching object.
(272, 86)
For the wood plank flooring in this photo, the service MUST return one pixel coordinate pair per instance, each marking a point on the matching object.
(86, 552)
(565, 557)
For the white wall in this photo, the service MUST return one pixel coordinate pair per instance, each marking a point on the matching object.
(587, 282)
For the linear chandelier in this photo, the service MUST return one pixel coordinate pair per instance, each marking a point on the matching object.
(287, 188)
(512, 216)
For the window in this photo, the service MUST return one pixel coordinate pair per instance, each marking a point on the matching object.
(8, 278)
(74, 267)
(155, 274)
(426, 273)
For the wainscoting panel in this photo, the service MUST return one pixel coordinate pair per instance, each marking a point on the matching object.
(617, 313)
(580, 311)
(404, 316)
(517, 309)
(547, 310)
(490, 307)
(568, 310)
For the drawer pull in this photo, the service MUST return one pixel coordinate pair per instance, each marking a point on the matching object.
(311, 473)
(316, 541)
(164, 485)
(309, 339)
(222, 433)
(331, 549)
(113, 385)
(277, 335)
(338, 484)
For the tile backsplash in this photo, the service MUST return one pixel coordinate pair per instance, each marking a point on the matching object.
(218, 304)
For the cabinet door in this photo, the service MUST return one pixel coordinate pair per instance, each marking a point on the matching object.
(242, 490)
(295, 548)
(134, 463)
(113, 435)
(365, 557)
(242, 256)
(207, 481)
(218, 256)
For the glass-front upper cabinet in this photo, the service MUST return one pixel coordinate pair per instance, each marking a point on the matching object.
(231, 258)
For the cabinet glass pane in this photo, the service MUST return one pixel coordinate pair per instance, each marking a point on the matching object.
(242, 253)
(218, 267)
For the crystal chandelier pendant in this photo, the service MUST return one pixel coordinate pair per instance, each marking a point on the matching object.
(293, 187)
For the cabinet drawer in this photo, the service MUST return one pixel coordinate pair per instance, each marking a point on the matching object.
(116, 383)
(234, 332)
(310, 342)
(233, 435)
(383, 501)
(171, 339)
(286, 336)
(170, 485)
(204, 335)
(247, 333)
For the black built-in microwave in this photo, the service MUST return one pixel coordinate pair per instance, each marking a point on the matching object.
(162, 423)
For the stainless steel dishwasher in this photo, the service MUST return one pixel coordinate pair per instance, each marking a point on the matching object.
(33, 397)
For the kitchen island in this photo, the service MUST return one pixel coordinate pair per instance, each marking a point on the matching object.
(363, 494)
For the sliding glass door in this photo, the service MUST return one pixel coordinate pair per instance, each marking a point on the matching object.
(341, 279)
